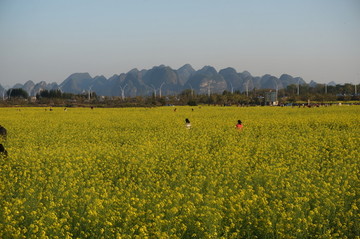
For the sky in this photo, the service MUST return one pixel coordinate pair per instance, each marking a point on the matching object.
(48, 40)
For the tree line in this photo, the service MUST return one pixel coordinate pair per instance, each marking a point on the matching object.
(291, 94)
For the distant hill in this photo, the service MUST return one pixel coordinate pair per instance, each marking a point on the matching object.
(165, 80)
(76, 83)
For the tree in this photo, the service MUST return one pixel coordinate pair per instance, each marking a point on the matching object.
(17, 93)
(49, 94)
(192, 103)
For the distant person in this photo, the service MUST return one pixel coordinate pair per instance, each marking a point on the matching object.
(239, 125)
(3, 152)
(3, 133)
(187, 123)
(175, 110)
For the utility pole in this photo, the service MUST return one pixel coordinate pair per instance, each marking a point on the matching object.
(3, 93)
(39, 92)
(89, 92)
(123, 92)
(298, 87)
(160, 88)
(355, 89)
(232, 88)
(276, 91)
(10, 93)
(192, 91)
(209, 88)
(325, 88)
(247, 88)
(154, 90)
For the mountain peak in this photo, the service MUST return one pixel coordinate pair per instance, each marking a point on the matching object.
(186, 67)
(227, 71)
(80, 75)
(208, 70)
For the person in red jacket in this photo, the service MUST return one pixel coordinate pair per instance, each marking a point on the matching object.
(239, 125)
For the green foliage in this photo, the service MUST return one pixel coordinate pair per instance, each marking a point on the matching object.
(50, 94)
(17, 93)
(192, 103)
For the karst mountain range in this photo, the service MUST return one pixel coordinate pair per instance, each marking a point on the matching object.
(163, 80)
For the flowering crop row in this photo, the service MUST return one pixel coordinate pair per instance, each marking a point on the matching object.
(139, 173)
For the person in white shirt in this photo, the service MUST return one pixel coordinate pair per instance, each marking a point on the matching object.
(187, 123)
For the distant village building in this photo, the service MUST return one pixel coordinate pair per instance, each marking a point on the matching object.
(271, 98)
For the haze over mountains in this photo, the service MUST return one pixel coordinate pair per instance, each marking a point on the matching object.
(165, 81)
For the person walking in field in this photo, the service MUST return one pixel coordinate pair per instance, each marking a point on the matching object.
(3, 152)
(239, 125)
(187, 123)
(3, 133)
(3, 136)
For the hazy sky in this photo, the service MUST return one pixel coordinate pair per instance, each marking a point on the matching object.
(47, 40)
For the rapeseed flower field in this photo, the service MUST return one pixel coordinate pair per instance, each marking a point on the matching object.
(139, 173)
